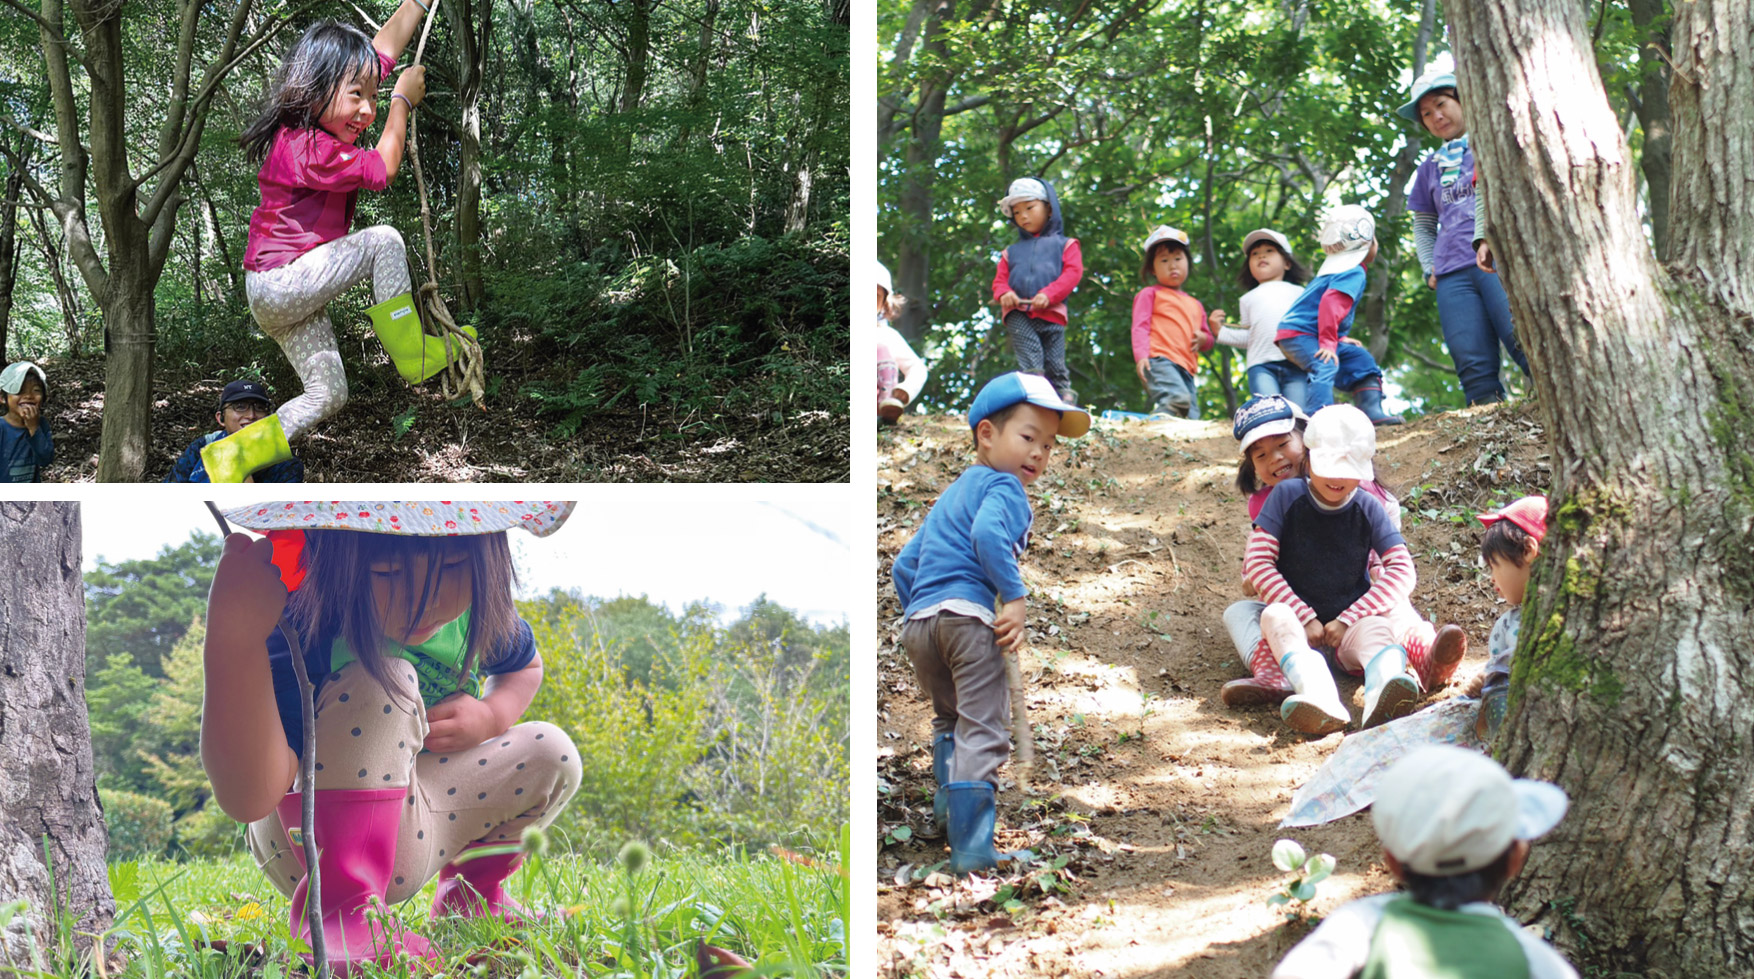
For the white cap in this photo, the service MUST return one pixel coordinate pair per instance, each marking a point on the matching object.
(1340, 442)
(1022, 189)
(1347, 232)
(1164, 232)
(884, 282)
(12, 378)
(1265, 234)
(1443, 810)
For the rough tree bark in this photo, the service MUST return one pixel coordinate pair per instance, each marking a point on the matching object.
(48, 782)
(1633, 685)
(9, 244)
(473, 45)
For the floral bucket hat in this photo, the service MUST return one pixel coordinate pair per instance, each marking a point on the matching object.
(431, 518)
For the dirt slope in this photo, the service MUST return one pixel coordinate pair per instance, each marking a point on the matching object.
(1166, 802)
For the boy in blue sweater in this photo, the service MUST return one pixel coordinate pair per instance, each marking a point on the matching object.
(26, 447)
(947, 576)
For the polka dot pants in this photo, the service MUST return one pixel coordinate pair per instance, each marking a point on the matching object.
(288, 303)
(369, 737)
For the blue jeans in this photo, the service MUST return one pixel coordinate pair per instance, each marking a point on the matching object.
(1280, 377)
(1475, 315)
(1172, 388)
(1355, 366)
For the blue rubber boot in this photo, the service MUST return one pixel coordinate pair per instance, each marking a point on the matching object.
(943, 746)
(972, 814)
(1369, 401)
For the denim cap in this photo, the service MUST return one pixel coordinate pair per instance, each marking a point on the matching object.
(1164, 232)
(884, 282)
(1529, 513)
(1339, 443)
(1423, 86)
(1022, 189)
(1443, 810)
(12, 378)
(1264, 415)
(1347, 232)
(1008, 389)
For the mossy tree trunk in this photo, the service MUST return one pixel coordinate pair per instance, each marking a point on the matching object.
(48, 782)
(1633, 685)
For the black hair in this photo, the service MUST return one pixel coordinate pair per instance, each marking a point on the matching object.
(1248, 483)
(998, 418)
(323, 59)
(1295, 273)
(1148, 273)
(1419, 117)
(1505, 541)
(1450, 893)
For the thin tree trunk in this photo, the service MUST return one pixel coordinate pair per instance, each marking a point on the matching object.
(67, 298)
(471, 63)
(913, 250)
(47, 777)
(9, 250)
(1633, 686)
(1653, 115)
(1376, 290)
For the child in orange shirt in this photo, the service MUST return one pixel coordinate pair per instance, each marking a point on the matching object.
(1170, 327)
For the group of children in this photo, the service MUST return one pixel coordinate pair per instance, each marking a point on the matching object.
(301, 252)
(1330, 580)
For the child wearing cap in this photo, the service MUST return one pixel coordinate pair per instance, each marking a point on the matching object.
(1308, 558)
(1509, 548)
(1170, 327)
(243, 401)
(1313, 332)
(1269, 431)
(1035, 277)
(1274, 279)
(901, 373)
(965, 554)
(25, 443)
(1455, 827)
(1471, 304)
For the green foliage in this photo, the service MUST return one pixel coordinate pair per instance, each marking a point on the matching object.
(141, 607)
(208, 834)
(116, 697)
(1296, 894)
(139, 825)
(171, 739)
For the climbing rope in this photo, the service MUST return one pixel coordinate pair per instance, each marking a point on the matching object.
(464, 372)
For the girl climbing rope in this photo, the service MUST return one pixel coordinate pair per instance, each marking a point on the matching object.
(300, 254)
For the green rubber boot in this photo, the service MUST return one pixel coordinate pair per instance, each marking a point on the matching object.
(258, 445)
(417, 355)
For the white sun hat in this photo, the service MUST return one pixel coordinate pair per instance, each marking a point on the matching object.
(431, 518)
(1443, 810)
(1340, 442)
(884, 282)
(1265, 234)
(1347, 233)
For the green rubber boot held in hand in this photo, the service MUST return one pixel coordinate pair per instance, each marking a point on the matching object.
(417, 356)
(258, 445)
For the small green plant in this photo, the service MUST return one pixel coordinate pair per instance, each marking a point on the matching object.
(898, 834)
(1295, 894)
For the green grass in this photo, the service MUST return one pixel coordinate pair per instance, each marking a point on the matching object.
(786, 915)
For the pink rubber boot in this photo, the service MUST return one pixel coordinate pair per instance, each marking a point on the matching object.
(475, 888)
(356, 832)
(1267, 686)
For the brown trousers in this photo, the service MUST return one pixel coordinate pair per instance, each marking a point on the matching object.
(961, 668)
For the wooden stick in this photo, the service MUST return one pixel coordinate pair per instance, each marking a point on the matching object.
(307, 778)
(1020, 729)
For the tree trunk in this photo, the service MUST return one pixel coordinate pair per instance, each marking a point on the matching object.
(913, 254)
(9, 247)
(1633, 685)
(129, 322)
(472, 51)
(1653, 115)
(48, 783)
(1376, 290)
(64, 294)
(639, 28)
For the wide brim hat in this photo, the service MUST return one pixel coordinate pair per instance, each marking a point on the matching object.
(449, 518)
(1022, 189)
(1443, 810)
(1016, 387)
(12, 378)
(1422, 87)
(1346, 235)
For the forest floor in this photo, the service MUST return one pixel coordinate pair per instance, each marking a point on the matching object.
(389, 432)
(1164, 803)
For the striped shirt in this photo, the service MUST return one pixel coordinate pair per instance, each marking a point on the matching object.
(1316, 559)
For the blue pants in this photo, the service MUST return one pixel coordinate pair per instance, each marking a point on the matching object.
(1172, 388)
(1280, 377)
(1355, 367)
(1475, 315)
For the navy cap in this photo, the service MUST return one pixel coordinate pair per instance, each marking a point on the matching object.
(1264, 415)
(1016, 387)
(244, 390)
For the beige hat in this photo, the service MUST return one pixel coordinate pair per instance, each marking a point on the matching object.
(1347, 232)
(1265, 234)
(1443, 810)
(1340, 442)
(1022, 189)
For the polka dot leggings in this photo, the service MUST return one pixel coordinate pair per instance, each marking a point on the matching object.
(368, 738)
(288, 303)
